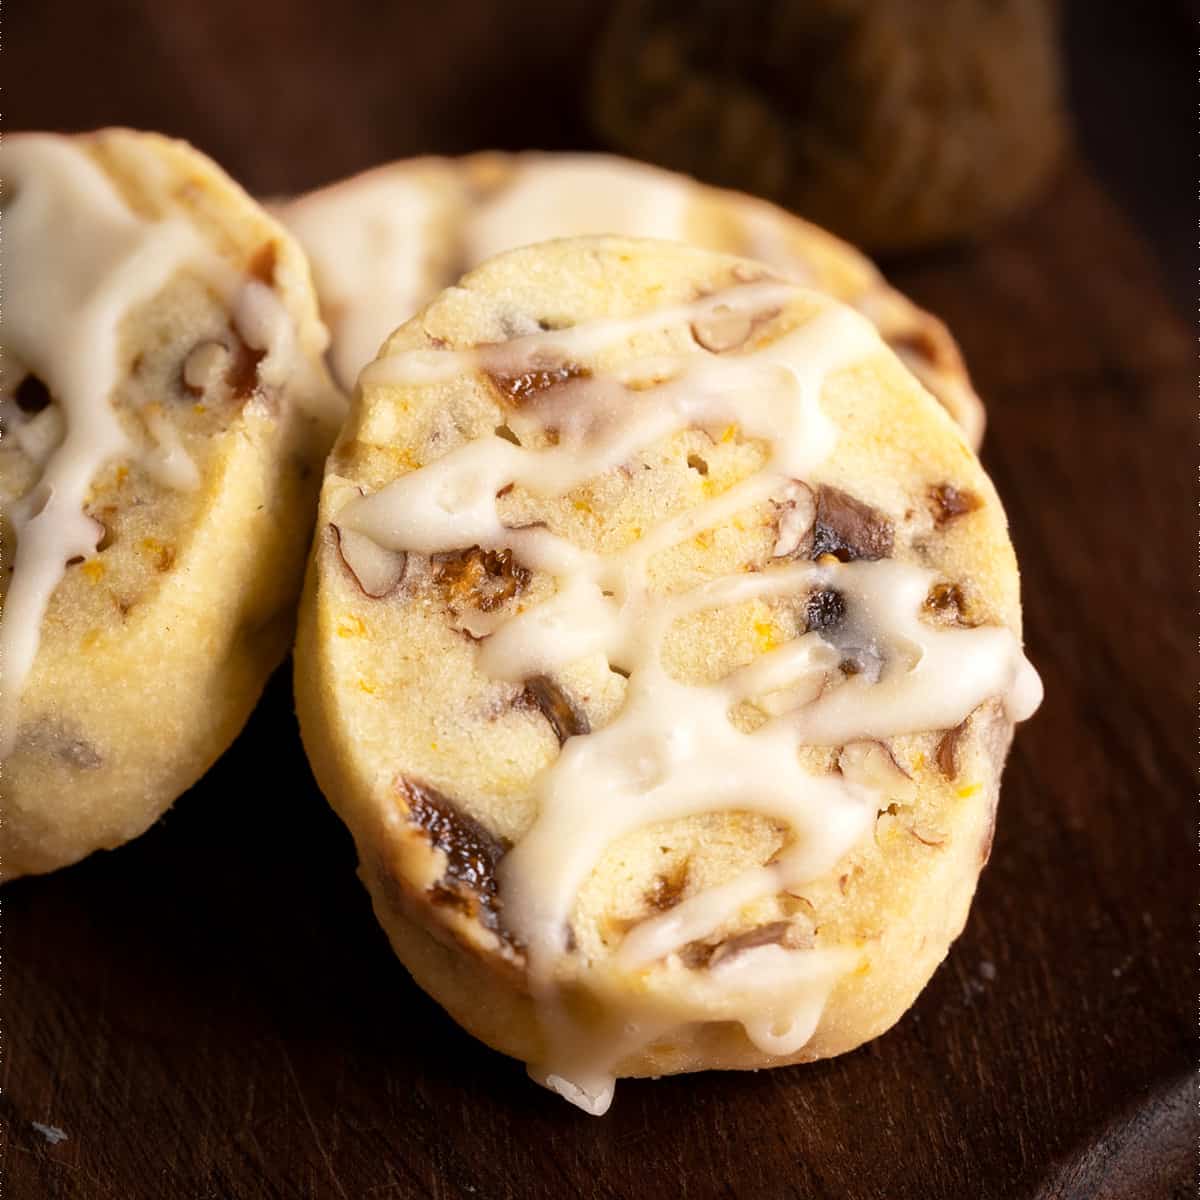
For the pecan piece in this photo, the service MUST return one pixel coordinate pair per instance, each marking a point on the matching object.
(871, 764)
(725, 328)
(794, 524)
(204, 365)
(565, 717)
(946, 755)
(376, 570)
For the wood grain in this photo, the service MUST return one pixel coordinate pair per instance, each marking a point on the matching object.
(212, 1012)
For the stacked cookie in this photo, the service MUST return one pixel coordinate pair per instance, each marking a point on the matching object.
(660, 644)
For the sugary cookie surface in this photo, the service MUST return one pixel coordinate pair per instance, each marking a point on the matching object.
(661, 649)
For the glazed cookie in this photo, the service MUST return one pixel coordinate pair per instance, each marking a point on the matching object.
(661, 649)
(165, 413)
(385, 242)
(896, 124)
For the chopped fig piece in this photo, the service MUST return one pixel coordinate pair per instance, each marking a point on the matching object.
(871, 764)
(485, 579)
(849, 529)
(472, 851)
(667, 890)
(262, 265)
(32, 395)
(204, 365)
(949, 502)
(697, 464)
(946, 602)
(946, 755)
(566, 719)
(724, 328)
(519, 387)
(242, 372)
(796, 514)
(376, 570)
(825, 609)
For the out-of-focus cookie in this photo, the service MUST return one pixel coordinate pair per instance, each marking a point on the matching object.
(386, 241)
(165, 412)
(661, 649)
(895, 124)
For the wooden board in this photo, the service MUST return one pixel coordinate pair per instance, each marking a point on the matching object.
(212, 1012)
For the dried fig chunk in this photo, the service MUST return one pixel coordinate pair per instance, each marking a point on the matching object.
(725, 328)
(849, 529)
(946, 755)
(824, 609)
(667, 890)
(472, 851)
(262, 263)
(949, 502)
(565, 717)
(871, 764)
(485, 579)
(948, 604)
(377, 570)
(521, 386)
(242, 372)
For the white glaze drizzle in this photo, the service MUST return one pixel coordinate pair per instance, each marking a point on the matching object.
(367, 242)
(577, 196)
(368, 238)
(77, 259)
(672, 749)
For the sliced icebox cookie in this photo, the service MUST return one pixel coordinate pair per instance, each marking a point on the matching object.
(164, 415)
(384, 242)
(661, 649)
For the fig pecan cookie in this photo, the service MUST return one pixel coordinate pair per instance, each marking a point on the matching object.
(661, 649)
(386, 241)
(164, 415)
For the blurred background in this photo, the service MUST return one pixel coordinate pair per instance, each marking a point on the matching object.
(287, 95)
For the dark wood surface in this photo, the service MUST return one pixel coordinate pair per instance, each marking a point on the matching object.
(212, 1012)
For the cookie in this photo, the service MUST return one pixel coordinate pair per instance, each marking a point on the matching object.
(165, 413)
(660, 647)
(386, 241)
(897, 125)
